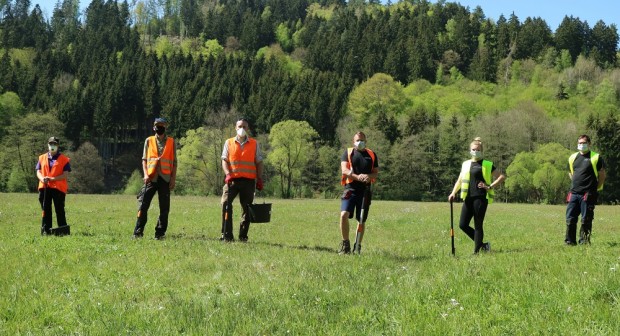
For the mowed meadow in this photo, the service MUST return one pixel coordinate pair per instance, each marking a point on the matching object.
(288, 279)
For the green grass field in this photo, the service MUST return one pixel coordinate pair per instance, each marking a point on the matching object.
(288, 278)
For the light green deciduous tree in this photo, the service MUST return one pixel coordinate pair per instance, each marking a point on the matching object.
(291, 144)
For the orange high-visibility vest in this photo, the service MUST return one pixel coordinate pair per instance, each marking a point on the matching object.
(242, 160)
(165, 161)
(56, 170)
(345, 179)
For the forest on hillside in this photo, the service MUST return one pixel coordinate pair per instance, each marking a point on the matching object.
(420, 79)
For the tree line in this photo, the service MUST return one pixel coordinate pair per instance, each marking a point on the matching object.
(420, 78)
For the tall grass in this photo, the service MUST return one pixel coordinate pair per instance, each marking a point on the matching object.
(288, 278)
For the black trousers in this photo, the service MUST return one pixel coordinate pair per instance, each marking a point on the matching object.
(46, 199)
(245, 189)
(162, 188)
(476, 208)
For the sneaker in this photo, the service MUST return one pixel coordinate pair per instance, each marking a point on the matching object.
(345, 247)
(136, 236)
(160, 237)
(570, 243)
(243, 239)
(486, 247)
(357, 248)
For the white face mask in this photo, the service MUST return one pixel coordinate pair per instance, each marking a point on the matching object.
(582, 147)
(360, 144)
(477, 155)
(241, 132)
(52, 148)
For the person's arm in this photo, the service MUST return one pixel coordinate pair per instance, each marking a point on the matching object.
(601, 178)
(346, 170)
(258, 161)
(59, 177)
(259, 169)
(498, 178)
(374, 173)
(455, 189)
(145, 172)
(40, 176)
(173, 174)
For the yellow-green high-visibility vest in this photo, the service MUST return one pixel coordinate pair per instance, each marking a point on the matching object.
(487, 167)
(593, 160)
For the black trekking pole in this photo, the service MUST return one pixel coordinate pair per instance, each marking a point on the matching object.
(360, 227)
(44, 199)
(452, 226)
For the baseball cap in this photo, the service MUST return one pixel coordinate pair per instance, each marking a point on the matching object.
(160, 121)
(53, 140)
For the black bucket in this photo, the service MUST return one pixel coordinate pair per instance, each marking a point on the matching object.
(260, 213)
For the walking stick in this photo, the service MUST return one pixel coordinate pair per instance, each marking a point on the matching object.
(452, 226)
(225, 217)
(360, 227)
(44, 199)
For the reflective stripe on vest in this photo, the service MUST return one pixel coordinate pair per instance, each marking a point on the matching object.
(165, 161)
(593, 160)
(242, 159)
(345, 179)
(56, 170)
(487, 168)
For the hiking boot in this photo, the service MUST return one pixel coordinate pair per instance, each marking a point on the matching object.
(345, 247)
(585, 239)
(486, 247)
(226, 239)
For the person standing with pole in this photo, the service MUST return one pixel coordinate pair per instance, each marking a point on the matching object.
(242, 162)
(52, 171)
(477, 181)
(587, 175)
(360, 167)
(159, 166)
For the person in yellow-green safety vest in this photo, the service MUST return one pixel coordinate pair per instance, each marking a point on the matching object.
(477, 181)
(587, 174)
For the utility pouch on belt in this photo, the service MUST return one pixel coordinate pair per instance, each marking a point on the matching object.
(347, 194)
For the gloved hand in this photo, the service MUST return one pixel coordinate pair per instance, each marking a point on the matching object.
(228, 179)
(259, 184)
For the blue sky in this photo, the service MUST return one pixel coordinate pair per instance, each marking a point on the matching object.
(552, 11)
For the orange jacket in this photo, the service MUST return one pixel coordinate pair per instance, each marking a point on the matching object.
(242, 160)
(345, 179)
(165, 161)
(56, 170)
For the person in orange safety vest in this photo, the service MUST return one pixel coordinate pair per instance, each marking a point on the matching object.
(242, 162)
(52, 171)
(359, 166)
(159, 166)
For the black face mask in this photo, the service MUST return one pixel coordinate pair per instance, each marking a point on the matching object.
(160, 130)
